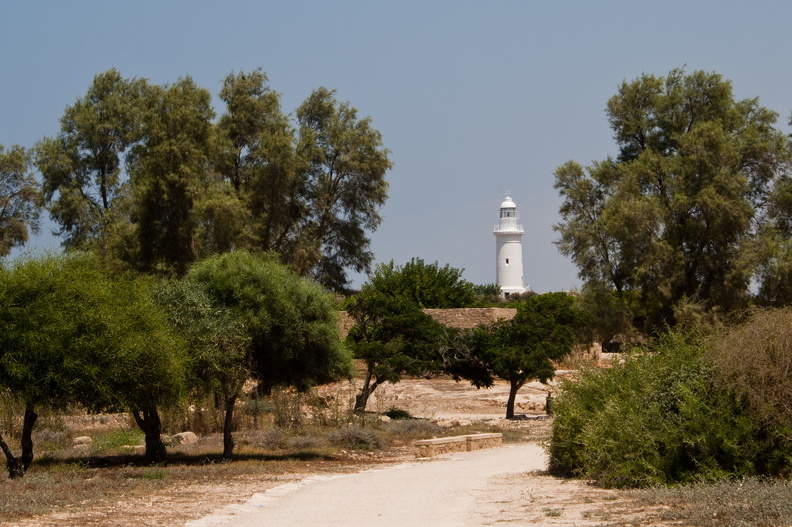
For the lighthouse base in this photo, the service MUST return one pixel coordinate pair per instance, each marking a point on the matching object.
(506, 292)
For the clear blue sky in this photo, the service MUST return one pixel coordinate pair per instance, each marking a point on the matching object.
(473, 98)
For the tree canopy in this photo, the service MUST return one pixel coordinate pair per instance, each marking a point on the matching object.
(146, 175)
(291, 323)
(74, 335)
(428, 286)
(674, 218)
(20, 199)
(523, 348)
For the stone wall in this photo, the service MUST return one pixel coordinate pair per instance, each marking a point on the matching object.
(462, 318)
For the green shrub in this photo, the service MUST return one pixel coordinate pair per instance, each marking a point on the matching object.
(660, 417)
(398, 413)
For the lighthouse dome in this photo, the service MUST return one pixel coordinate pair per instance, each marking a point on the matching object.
(508, 203)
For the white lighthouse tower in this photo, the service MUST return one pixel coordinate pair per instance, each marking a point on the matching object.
(508, 250)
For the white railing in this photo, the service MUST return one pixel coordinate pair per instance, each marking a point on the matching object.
(513, 228)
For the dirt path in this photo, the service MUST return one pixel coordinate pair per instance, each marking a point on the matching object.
(485, 487)
(439, 492)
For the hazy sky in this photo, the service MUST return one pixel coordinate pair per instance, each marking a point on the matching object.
(473, 98)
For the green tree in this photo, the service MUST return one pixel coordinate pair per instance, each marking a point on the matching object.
(291, 325)
(428, 286)
(169, 174)
(219, 359)
(257, 158)
(20, 200)
(74, 335)
(344, 187)
(309, 194)
(523, 348)
(393, 337)
(671, 217)
(83, 168)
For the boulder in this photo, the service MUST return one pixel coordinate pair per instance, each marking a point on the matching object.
(184, 438)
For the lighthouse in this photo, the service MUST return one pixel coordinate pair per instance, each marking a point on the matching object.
(508, 250)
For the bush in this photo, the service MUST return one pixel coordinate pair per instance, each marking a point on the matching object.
(356, 437)
(413, 428)
(398, 413)
(271, 438)
(755, 360)
(660, 417)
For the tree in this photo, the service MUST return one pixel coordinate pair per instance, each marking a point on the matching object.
(290, 324)
(219, 359)
(311, 194)
(258, 159)
(428, 286)
(169, 173)
(345, 186)
(523, 348)
(393, 337)
(671, 217)
(74, 335)
(83, 168)
(20, 200)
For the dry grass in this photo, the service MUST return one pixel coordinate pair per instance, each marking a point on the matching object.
(91, 484)
(746, 503)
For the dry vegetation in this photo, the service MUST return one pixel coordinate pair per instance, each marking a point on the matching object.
(102, 484)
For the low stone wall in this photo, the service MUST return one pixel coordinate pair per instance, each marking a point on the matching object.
(462, 318)
(465, 443)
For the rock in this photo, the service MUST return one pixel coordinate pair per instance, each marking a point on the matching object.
(81, 441)
(385, 419)
(184, 438)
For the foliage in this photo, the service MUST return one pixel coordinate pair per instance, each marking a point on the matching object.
(674, 217)
(344, 184)
(521, 349)
(169, 172)
(393, 337)
(291, 322)
(72, 334)
(82, 169)
(660, 417)
(145, 175)
(755, 360)
(428, 286)
(20, 200)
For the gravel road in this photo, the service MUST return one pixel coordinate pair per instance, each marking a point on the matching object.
(445, 491)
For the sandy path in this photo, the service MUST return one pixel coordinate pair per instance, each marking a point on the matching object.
(445, 491)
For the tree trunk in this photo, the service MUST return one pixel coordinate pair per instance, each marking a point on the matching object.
(514, 385)
(27, 436)
(228, 427)
(17, 466)
(13, 463)
(148, 420)
(361, 399)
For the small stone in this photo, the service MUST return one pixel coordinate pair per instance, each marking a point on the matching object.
(82, 440)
